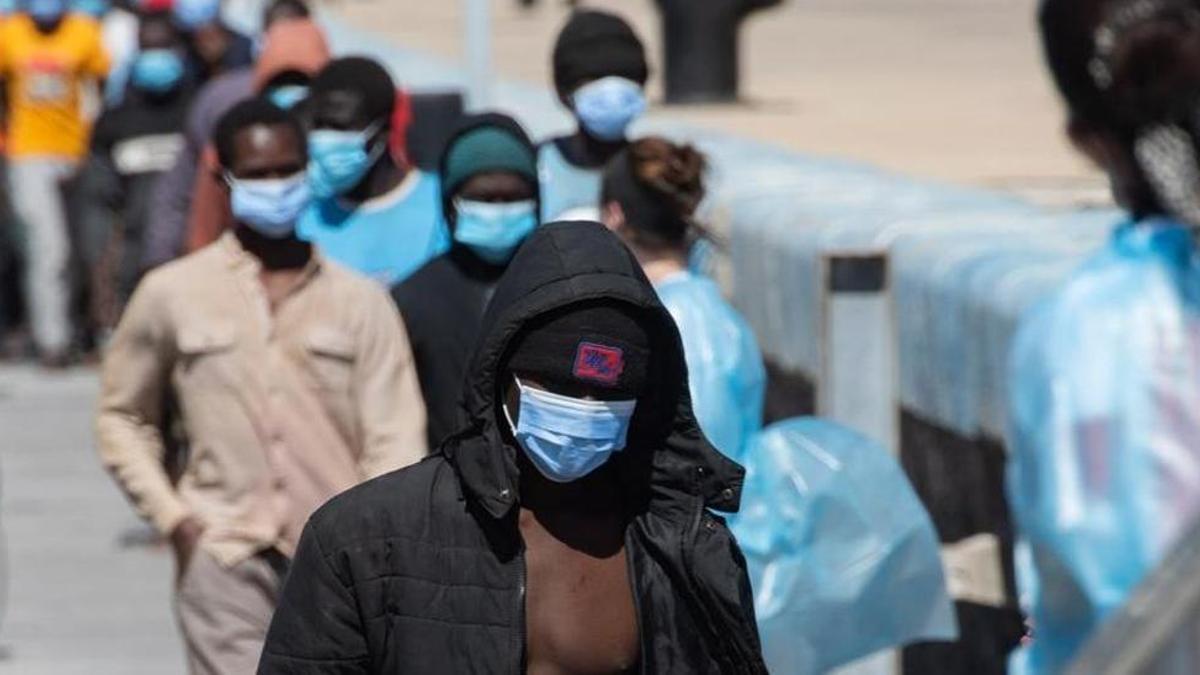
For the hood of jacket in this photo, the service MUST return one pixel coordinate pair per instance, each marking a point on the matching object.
(294, 44)
(565, 264)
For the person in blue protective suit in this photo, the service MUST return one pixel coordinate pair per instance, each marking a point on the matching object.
(371, 214)
(490, 198)
(650, 194)
(1105, 373)
(600, 73)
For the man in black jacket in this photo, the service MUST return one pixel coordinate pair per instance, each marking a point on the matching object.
(564, 528)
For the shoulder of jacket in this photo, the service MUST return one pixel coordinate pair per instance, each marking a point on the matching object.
(380, 507)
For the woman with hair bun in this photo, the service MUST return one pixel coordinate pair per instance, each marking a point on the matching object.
(650, 194)
(1105, 374)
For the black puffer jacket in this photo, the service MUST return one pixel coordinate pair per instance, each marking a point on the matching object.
(421, 570)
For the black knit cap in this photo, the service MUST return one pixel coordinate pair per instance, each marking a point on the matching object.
(594, 345)
(594, 45)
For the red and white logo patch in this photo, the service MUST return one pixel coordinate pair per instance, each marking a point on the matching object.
(599, 363)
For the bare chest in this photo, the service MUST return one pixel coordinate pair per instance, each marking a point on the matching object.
(579, 608)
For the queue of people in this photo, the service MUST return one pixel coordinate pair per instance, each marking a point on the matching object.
(391, 420)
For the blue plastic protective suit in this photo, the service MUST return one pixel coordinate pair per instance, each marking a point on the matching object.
(569, 192)
(725, 367)
(843, 558)
(1105, 433)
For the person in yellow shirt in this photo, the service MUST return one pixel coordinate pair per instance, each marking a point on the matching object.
(47, 58)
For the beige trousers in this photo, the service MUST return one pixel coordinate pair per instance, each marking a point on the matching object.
(224, 612)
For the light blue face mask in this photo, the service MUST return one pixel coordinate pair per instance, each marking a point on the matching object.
(288, 95)
(338, 160)
(93, 8)
(46, 11)
(568, 438)
(157, 70)
(193, 14)
(269, 206)
(606, 107)
(494, 231)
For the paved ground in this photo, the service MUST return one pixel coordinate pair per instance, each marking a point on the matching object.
(950, 89)
(78, 600)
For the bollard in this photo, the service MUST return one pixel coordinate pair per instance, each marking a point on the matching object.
(701, 47)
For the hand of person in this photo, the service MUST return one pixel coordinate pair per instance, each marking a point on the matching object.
(184, 539)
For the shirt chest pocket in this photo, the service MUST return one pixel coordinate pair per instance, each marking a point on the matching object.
(330, 354)
(207, 357)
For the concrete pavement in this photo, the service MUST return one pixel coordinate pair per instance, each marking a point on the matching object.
(946, 89)
(78, 600)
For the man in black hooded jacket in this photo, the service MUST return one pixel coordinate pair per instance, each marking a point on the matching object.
(565, 528)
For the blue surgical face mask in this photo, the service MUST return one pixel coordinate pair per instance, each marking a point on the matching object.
(193, 14)
(269, 206)
(568, 438)
(46, 11)
(338, 160)
(606, 107)
(494, 231)
(93, 8)
(157, 70)
(288, 95)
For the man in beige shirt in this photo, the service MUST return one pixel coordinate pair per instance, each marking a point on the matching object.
(294, 381)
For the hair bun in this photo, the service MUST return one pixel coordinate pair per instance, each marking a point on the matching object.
(674, 171)
(1153, 68)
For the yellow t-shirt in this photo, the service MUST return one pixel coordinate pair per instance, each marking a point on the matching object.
(44, 77)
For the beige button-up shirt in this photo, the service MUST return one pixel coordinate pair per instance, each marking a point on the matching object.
(283, 409)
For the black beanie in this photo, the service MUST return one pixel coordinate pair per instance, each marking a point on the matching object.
(594, 45)
(595, 345)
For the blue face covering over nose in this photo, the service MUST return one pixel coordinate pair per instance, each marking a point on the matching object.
(269, 206)
(46, 11)
(568, 438)
(288, 95)
(93, 8)
(606, 107)
(494, 231)
(193, 14)
(157, 70)
(338, 160)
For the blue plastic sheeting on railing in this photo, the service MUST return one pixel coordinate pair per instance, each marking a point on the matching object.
(843, 559)
(779, 238)
(1105, 465)
(958, 293)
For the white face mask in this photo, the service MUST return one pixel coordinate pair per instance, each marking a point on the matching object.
(567, 438)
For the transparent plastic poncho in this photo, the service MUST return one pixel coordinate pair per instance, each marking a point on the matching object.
(1104, 430)
(725, 368)
(843, 558)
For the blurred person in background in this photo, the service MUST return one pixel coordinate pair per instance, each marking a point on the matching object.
(294, 51)
(294, 381)
(133, 144)
(600, 74)
(564, 528)
(1104, 379)
(119, 23)
(372, 213)
(215, 48)
(490, 198)
(650, 194)
(291, 42)
(49, 57)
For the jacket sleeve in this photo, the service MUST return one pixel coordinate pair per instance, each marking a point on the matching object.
(391, 411)
(133, 387)
(316, 628)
